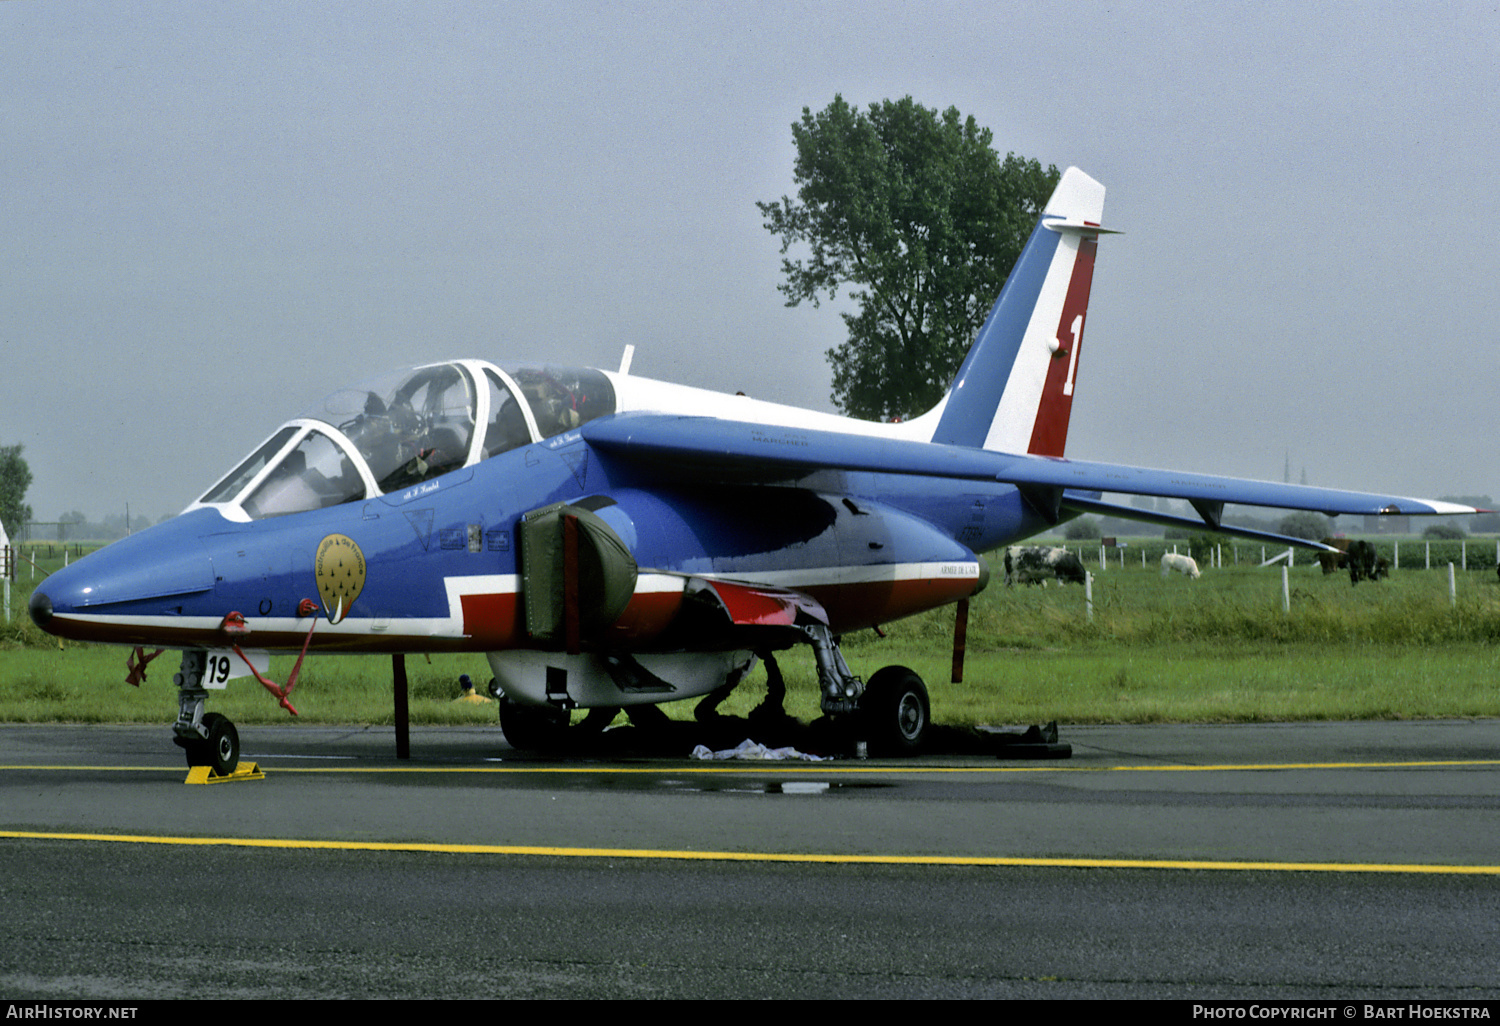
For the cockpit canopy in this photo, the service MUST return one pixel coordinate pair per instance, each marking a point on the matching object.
(404, 428)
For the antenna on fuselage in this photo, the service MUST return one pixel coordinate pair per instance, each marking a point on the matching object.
(625, 359)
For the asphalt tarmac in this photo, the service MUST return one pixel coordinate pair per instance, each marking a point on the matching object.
(1295, 861)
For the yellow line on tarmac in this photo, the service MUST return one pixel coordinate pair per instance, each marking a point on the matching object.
(1398, 764)
(740, 856)
(876, 768)
(804, 767)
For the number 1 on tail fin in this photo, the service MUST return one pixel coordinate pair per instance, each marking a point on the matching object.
(1014, 392)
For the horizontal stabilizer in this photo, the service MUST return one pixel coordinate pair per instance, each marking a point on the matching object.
(1207, 491)
(1079, 228)
(1081, 504)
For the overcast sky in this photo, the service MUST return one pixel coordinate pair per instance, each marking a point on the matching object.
(213, 213)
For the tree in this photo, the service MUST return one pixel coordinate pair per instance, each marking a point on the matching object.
(72, 526)
(1082, 529)
(15, 478)
(1311, 526)
(916, 211)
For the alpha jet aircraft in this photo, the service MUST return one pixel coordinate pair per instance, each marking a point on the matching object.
(609, 541)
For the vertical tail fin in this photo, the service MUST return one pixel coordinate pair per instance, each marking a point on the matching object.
(1014, 391)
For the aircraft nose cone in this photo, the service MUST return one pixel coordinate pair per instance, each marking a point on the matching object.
(40, 608)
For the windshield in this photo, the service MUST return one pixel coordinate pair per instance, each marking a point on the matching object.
(315, 474)
(246, 472)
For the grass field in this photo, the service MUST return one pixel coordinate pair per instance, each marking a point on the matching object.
(1219, 649)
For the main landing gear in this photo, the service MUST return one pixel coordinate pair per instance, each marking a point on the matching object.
(891, 712)
(208, 739)
(895, 714)
(547, 728)
(890, 715)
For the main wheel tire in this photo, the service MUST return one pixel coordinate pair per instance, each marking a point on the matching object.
(532, 727)
(896, 713)
(223, 743)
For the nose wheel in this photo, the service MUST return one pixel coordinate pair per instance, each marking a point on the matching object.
(207, 739)
(219, 750)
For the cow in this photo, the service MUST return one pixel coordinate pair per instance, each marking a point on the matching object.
(1331, 561)
(1356, 556)
(1182, 564)
(1030, 564)
(1364, 565)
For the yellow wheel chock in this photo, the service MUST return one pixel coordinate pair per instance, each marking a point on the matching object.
(207, 775)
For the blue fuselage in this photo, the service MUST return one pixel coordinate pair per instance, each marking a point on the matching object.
(441, 560)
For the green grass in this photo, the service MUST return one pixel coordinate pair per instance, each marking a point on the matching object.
(1219, 649)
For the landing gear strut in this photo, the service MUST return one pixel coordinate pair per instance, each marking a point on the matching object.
(891, 712)
(208, 739)
(841, 689)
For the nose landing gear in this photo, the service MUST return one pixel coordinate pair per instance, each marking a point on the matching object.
(209, 740)
(220, 750)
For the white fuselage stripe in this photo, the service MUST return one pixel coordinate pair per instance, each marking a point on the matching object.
(457, 588)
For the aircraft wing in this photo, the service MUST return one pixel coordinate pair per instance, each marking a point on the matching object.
(706, 448)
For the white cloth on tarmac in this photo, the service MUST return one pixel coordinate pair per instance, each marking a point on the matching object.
(752, 750)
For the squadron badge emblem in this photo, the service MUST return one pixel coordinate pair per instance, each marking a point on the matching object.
(340, 570)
